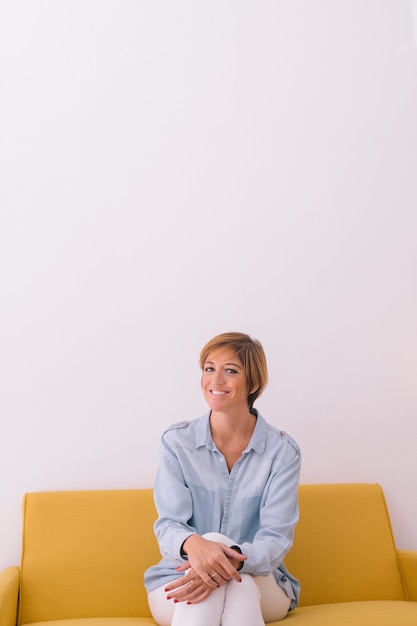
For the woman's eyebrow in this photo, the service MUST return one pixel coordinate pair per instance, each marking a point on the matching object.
(226, 364)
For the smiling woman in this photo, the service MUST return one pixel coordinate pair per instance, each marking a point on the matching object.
(224, 382)
(250, 356)
(226, 495)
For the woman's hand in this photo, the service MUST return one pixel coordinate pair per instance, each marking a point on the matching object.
(210, 565)
(215, 563)
(189, 588)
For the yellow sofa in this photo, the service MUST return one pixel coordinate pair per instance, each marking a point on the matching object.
(84, 554)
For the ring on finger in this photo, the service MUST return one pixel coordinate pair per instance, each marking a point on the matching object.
(214, 574)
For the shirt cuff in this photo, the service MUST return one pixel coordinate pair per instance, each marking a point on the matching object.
(239, 567)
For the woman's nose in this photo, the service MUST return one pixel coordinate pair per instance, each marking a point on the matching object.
(219, 377)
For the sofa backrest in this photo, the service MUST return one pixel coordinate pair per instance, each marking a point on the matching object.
(344, 547)
(84, 554)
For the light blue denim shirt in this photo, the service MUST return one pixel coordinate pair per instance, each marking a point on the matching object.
(256, 504)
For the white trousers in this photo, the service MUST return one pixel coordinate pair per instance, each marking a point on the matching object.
(252, 602)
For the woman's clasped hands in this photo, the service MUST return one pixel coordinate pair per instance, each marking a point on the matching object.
(210, 565)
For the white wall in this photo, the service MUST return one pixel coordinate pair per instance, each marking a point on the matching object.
(171, 170)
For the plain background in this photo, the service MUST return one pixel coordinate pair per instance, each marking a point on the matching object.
(172, 170)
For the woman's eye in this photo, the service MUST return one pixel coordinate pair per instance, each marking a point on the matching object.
(231, 371)
(209, 369)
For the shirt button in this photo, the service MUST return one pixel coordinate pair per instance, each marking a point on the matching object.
(282, 433)
(185, 423)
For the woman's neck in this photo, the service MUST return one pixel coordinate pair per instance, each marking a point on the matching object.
(231, 434)
(228, 427)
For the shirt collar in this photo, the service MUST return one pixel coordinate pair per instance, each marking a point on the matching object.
(258, 440)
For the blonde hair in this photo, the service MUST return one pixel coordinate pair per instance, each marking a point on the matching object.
(249, 352)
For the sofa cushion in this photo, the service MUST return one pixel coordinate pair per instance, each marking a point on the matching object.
(84, 554)
(99, 621)
(344, 548)
(374, 613)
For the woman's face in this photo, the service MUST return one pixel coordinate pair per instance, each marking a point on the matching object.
(224, 381)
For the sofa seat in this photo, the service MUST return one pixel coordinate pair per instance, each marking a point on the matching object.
(372, 613)
(98, 621)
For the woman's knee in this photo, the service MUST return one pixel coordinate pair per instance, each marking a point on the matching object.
(242, 603)
(248, 584)
(218, 537)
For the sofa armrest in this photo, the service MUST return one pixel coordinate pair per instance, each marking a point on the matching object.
(408, 563)
(9, 593)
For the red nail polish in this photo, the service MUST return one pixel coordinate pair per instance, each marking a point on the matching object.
(168, 597)
(189, 602)
(176, 600)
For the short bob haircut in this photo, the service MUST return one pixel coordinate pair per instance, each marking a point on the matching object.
(249, 352)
